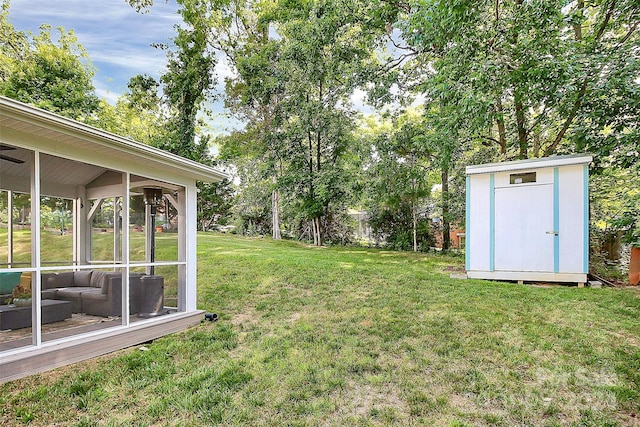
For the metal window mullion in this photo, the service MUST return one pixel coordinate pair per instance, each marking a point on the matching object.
(125, 250)
(36, 311)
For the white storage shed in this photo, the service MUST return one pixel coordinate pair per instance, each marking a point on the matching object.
(528, 220)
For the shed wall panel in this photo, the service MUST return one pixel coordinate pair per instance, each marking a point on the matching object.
(571, 219)
(479, 227)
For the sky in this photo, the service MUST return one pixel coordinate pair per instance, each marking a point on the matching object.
(117, 39)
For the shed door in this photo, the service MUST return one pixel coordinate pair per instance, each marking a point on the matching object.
(524, 228)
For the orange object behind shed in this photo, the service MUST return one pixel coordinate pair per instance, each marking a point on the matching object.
(634, 266)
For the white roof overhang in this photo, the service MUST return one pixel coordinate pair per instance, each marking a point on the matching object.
(30, 127)
(519, 165)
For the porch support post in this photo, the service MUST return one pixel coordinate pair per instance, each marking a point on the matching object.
(190, 234)
(116, 230)
(81, 230)
(148, 244)
(36, 314)
(180, 206)
(10, 228)
(125, 249)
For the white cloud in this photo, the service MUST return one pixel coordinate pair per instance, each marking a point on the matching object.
(223, 69)
(108, 96)
(116, 37)
(359, 101)
(118, 41)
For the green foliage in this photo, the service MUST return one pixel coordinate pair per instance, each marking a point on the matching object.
(296, 67)
(399, 182)
(394, 227)
(252, 204)
(215, 203)
(499, 80)
(531, 67)
(55, 218)
(187, 81)
(52, 75)
(138, 113)
(615, 204)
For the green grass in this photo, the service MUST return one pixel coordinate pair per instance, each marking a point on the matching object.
(56, 249)
(336, 336)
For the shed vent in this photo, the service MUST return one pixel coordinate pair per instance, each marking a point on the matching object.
(521, 178)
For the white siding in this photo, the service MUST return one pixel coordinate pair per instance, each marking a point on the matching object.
(478, 234)
(572, 217)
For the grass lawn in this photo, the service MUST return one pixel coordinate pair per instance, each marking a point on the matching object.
(337, 336)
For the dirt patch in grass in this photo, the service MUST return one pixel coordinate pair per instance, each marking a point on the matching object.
(294, 317)
(365, 400)
(245, 319)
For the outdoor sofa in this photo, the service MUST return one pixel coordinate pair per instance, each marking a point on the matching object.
(94, 292)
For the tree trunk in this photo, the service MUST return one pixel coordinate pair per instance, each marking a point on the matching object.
(446, 238)
(522, 131)
(415, 226)
(502, 134)
(275, 215)
(316, 231)
(577, 28)
(312, 227)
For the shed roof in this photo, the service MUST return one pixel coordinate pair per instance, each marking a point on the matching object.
(17, 118)
(517, 165)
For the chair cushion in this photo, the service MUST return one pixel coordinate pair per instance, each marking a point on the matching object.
(48, 280)
(94, 295)
(64, 280)
(97, 279)
(72, 292)
(57, 280)
(82, 278)
(8, 281)
(49, 293)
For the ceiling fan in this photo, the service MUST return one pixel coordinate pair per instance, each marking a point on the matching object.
(7, 158)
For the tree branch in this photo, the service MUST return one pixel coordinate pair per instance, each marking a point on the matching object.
(583, 87)
(606, 20)
(403, 6)
(569, 119)
(633, 27)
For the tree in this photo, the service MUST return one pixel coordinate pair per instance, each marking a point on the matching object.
(188, 79)
(254, 96)
(251, 205)
(400, 173)
(298, 81)
(528, 79)
(52, 75)
(138, 113)
(525, 72)
(13, 44)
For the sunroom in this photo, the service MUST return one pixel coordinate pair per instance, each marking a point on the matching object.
(97, 241)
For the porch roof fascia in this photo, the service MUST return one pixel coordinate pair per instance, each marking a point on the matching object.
(34, 119)
(516, 165)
